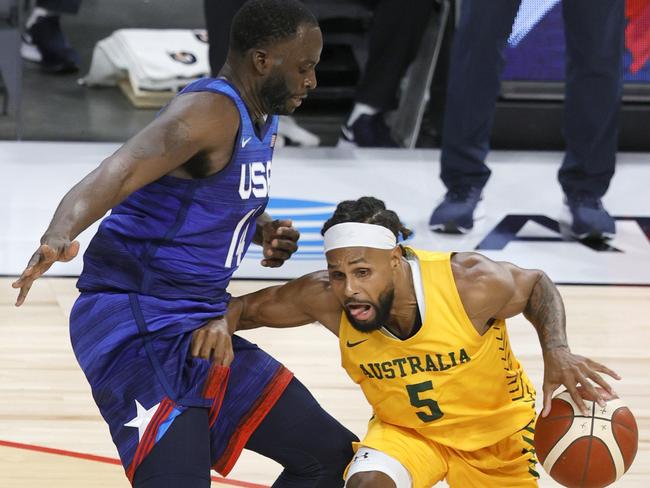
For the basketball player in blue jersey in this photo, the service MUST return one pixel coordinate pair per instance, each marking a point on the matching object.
(188, 195)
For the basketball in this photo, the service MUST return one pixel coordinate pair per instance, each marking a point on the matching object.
(586, 451)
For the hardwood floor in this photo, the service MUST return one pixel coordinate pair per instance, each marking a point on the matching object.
(45, 400)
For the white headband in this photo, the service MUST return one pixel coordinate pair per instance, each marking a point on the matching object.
(356, 234)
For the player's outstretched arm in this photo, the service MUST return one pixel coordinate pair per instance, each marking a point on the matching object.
(501, 290)
(298, 302)
(191, 124)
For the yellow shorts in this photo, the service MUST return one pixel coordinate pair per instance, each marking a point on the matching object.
(508, 463)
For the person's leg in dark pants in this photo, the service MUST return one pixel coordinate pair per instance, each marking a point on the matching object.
(44, 42)
(182, 457)
(310, 444)
(595, 42)
(218, 18)
(394, 40)
(472, 89)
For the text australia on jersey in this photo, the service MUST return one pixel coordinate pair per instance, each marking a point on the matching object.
(411, 365)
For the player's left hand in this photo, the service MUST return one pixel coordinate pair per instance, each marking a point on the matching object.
(213, 341)
(562, 367)
(279, 242)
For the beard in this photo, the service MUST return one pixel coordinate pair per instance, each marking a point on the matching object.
(382, 313)
(275, 95)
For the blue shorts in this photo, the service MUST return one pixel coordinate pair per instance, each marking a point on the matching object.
(134, 351)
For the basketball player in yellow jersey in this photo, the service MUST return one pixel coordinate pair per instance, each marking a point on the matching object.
(423, 334)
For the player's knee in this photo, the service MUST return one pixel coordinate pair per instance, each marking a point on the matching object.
(377, 469)
(370, 479)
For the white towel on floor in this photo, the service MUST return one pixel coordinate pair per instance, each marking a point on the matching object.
(153, 59)
(165, 60)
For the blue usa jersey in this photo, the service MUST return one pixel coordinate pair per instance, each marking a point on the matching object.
(156, 271)
(181, 238)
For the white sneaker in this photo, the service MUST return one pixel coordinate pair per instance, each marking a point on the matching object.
(288, 128)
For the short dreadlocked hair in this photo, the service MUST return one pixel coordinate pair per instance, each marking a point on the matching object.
(259, 23)
(367, 210)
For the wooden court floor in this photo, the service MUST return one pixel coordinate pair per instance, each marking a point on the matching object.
(51, 433)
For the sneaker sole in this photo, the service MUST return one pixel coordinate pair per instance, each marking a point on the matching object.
(594, 236)
(453, 228)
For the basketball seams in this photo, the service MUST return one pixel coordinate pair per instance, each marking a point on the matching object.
(612, 407)
(608, 438)
(618, 441)
(566, 399)
(622, 425)
(564, 417)
(611, 457)
(568, 446)
(548, 422)
(601, 430)
(564, 442)
(591, 440)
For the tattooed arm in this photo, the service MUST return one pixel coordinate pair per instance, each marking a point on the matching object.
(544, 309)
(193, 124)
(496, 290)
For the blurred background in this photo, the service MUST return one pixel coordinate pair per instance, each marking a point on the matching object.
(528, 113)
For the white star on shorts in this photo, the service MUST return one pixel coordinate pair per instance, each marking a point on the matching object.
(142, 418)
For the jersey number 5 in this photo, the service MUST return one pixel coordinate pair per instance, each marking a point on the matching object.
(414, 395)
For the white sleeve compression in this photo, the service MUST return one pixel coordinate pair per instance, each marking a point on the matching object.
(367, 459)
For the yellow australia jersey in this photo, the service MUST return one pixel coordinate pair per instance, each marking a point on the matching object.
(447, 382)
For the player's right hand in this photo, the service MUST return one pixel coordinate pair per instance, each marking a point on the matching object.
(562, 367)
(279, 242)
(50, 251)
(213, 341)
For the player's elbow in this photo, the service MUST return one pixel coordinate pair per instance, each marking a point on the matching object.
(526, 279)
(536, 276)
(116, 179)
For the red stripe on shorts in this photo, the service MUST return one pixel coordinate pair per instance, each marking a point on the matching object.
(215, 388)
(149, 438)
(272, 392)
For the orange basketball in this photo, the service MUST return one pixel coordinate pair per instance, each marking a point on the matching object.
(586, 451)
